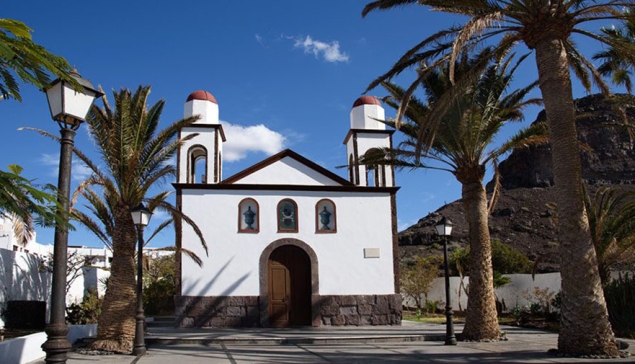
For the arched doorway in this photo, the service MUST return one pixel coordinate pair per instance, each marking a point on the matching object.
(289, 287)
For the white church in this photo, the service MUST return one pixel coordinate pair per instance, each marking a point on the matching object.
(290, 242)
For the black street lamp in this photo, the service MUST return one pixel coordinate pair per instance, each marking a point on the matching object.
(141, 217)
(444, 229)
(69, 108)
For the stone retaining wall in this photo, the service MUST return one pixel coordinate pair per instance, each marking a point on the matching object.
(331, 310)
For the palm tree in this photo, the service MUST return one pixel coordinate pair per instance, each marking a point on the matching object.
(546, 28)
(31, 63)
(617, 63)
(25, 203)
(612, 221)
(136, 158)
(462, 147)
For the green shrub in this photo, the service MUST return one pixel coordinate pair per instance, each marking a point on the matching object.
(417, 278)
(500, 280)
(620, 295)
(159, 286)
(87, 312)
(505, 259)
(431, 306)
(158, 297)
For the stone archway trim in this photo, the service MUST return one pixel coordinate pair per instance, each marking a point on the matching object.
(263, 274)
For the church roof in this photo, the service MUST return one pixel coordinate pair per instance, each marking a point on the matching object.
(202, 95)
(293, 166)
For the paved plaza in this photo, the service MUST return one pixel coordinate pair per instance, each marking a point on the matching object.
(409, 343)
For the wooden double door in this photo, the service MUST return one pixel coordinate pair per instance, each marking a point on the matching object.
(289, 287)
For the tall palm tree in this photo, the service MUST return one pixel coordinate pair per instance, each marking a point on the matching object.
(545, 27)
(463, 147)
(136, 158)
(618, 63)
(21, 58)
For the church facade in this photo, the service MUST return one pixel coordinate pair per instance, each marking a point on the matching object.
(290, 242)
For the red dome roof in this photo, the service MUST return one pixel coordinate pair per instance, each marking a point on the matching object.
(202, 95)
(366, 100)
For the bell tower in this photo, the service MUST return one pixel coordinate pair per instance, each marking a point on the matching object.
(200, 158)
(368, 133)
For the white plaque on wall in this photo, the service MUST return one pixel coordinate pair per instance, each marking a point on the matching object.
(371, 252)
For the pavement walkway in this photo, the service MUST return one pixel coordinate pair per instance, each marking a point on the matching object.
(410, 343)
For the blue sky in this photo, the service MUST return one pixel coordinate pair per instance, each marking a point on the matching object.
(285, 74)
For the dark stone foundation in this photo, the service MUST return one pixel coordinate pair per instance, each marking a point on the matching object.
(357, 310)
(247, 311)
(234, 311)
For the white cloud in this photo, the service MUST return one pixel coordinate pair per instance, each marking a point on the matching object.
(79, 171)
(329, 51)
(160, 215)
(260, 40)
(244, 139)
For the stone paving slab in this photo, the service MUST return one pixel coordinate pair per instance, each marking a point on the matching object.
(234, 347)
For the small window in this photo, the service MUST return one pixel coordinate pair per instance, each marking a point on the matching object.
(248, 216)
(287, 216)
(325, 217)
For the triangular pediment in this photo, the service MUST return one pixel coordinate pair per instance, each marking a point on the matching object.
(287, 168)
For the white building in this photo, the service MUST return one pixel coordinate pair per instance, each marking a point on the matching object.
(25, 269)
(290, 243)
(9, 241)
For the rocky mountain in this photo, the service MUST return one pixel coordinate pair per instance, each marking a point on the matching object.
(523, 216)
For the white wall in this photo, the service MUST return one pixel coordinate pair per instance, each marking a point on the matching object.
(26, 349)
(22, 279)
(232, 267)
(90, 277)
(288, 171)
(511, 293)
(366, 116)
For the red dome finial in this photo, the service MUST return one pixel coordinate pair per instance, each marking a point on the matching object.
(202, 95)
(366, 100)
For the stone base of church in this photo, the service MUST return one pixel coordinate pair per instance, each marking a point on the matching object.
(358, 310)
(220, 311)
(327, 310)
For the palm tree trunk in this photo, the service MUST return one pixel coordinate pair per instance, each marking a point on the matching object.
(116, 324)
(481, 322)
(584, 327)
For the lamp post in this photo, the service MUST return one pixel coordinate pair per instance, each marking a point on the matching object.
(444, 229)
(141, 217)
(68, 108)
